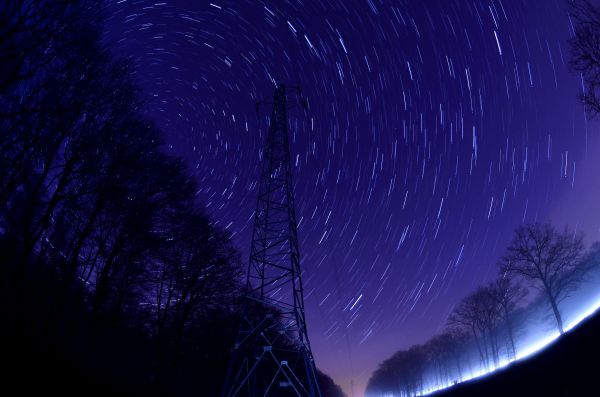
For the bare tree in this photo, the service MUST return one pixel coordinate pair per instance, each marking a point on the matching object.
(489, 317)
(479, 314)
(465, 317)
(549, 260)
(444, 352)
(437, 351)
(401, 374)
(95, 216)
(585, 51)
(457, 345)
(507, 294)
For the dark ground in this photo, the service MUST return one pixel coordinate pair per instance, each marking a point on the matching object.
(569, 367)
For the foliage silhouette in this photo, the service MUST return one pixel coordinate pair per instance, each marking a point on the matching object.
(112, 278)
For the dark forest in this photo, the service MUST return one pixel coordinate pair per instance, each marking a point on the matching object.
(114, 280)
(432, 213)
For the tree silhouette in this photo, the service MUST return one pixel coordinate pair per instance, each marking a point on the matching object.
(585, 51)
(549, 260)
(507, 294)
(112, 278)
(195, 272)
(444, 353)
(489, 317)
(400, 374)
(478, 314)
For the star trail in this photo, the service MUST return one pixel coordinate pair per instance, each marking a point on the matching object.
(434, 128)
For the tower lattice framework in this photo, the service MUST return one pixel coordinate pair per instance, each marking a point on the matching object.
(272, 355)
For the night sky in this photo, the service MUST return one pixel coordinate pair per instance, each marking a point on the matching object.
(435, 128)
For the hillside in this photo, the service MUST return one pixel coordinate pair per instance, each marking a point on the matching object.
(566, 368)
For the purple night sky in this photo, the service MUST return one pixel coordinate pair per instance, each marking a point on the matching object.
(435, 128)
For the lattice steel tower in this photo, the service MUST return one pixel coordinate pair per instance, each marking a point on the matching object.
(272, 355)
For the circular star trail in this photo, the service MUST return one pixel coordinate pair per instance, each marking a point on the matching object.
(434, 129)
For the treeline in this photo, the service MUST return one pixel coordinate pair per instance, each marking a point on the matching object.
(540, 268)
(112, 278)
(101, 230)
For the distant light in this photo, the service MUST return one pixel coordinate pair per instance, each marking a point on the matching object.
(526, 352)
(537, 346)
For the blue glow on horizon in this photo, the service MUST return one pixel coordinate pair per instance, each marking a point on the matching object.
(528, 351)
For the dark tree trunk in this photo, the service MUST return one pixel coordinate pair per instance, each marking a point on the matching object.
(555, 311)
(511, 337)
(559, 321)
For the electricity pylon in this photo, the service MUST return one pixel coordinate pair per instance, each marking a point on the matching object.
(272, 355)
